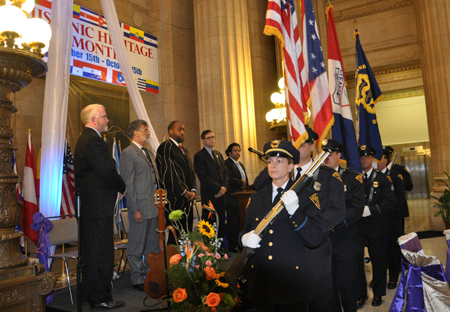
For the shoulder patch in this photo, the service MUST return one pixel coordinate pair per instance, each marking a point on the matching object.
(389, 178)
(337, 176)
(359, 177)
(406, 169)
(400, 176)
(315, 199)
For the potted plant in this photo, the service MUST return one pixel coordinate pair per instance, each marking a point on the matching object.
(443, 203)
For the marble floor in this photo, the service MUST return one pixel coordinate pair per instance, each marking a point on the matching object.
(419, 220)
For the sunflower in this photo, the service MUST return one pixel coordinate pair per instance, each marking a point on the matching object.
(206, 229)
(220, 281)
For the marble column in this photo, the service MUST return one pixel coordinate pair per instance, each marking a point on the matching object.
(434, 32)
(224, 75)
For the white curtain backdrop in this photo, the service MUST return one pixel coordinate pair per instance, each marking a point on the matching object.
(56, 99)
(125, 66)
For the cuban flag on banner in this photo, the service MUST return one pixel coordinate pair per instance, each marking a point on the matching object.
(367, 94)
(342, 130)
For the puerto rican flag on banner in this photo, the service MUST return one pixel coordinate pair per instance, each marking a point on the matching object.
(281, 21)
(68, 184)
(29, 207)
(343, 130)
(321, 110)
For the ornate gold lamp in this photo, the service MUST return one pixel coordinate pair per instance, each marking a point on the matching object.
(22, 41)
(277, 116)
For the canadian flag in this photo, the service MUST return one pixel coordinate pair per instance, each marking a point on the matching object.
(29, 193)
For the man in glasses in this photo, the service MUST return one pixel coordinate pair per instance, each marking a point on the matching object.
(213, 175)
(138, 170)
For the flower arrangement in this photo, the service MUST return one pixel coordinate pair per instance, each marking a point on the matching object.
(195, 274)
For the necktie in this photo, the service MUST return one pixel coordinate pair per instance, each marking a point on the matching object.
(181, 148)
(147, 155)
(278, 197)
(365, 176)
(299, 172)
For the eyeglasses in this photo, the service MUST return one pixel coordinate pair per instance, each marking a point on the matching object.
(146, 131)
(210, 138)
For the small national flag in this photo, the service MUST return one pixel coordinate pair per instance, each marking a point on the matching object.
(367, 95)
(68, 184)
(342, 130)
(281, 21)
(29, 207)
(321, 110)
(76, 12)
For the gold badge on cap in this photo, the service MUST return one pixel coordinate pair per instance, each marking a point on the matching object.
(375, 183)
(275, 143)
(324, 141)
(317, 186)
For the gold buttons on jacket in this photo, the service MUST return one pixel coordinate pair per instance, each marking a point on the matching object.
(270, 231)
(256, 219)
(296, 267)
(270, 257)
(270, 244)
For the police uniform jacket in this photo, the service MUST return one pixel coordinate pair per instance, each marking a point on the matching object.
(403, 208)
(399, 191)
(380, 202)
(354, 201)
(278, 273)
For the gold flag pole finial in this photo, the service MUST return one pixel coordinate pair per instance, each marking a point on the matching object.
(29, 131)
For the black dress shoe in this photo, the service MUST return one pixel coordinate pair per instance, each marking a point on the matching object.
(376, 301)
(360, 302)
(108, 305)
(139, 287)
(392, 285)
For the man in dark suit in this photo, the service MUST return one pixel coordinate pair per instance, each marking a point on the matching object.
(138, 171)
(237, 181)
(210, 168)
(343, 236)
(394, 221)
(279, 276)
(407, 180)
(371, 228)
(177, 176)
(100, 186)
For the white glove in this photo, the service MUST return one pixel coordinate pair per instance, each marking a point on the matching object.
(251, 240)
(366, 212)
(290, 201)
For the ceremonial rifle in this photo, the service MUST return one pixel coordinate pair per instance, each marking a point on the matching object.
(392, 164)
(237, 267)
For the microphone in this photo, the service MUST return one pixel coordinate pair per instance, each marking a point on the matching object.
(260, 154)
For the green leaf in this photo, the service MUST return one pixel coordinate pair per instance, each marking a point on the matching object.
(437, 213)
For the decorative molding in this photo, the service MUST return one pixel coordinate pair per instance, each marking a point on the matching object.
(407, 93)
(407, 72)
(372, 11)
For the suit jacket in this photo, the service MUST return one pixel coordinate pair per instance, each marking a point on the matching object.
(399, 191)
(383, 200)
(212, 174)
(354, 201)
(96, 176)
(234, 180)
(279, 273)
(139, 175)
(175, 170)
(404, 211)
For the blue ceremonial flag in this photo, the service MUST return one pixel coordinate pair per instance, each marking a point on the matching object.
(367, 95)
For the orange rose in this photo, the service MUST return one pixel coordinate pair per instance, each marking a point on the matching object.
(179, 295)
(212, 300)
(175, 259)
(210, 273)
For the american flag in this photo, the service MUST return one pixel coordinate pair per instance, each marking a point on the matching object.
(281, 21)
(322, 112)
(68, 184)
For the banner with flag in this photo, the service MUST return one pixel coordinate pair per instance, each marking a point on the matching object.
(68, 183)
(319, 92)
(281, 21)
(29, 207)
(343, 130)
(367, 95)
(93, 54)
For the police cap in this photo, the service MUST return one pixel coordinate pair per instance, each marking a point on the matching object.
(312, 136)
(330, 145)
(366, 150)
(281, 148)
(387, 151)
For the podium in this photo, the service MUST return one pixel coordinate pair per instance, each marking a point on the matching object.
(242, 198)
